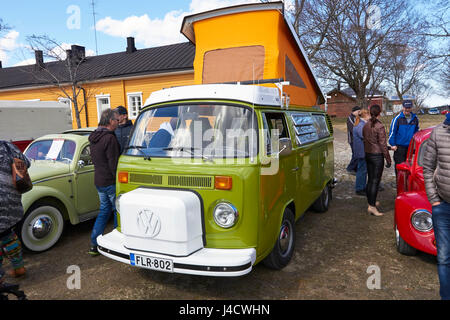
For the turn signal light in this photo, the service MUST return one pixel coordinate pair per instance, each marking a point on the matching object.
(223, 182)
(123, 177)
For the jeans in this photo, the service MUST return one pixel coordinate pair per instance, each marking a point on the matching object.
(361, 175)
(375, 165)
(400, 156)
(107, 196)
(441, 226)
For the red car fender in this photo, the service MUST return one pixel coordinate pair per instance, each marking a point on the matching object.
(405, 205)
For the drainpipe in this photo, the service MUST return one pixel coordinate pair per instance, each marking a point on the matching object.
(85, 105)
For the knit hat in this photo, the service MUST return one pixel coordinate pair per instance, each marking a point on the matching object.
(447, 119)
(356, 108)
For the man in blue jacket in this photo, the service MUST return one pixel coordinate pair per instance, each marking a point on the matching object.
(402, 129)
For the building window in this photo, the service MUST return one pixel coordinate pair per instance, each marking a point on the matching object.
(134, 104)
(103, 103)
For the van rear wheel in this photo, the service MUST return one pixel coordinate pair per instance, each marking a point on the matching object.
(323, 202)
(284, 247)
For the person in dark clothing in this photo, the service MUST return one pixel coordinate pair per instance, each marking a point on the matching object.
(11, 210)
(358, 147)
(124, 129)
(353, 165)
(402, 129)
(105, 152)
(375, 147)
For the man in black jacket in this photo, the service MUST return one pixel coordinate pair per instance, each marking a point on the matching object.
(124, 129)
(105, 152)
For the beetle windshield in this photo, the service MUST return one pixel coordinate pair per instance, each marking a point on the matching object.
(53, 149)
(199, 130)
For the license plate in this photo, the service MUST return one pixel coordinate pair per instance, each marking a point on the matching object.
(153, 263)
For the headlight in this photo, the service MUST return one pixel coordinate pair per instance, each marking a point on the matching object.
(117, 203)
(225, 215)
(421, 220)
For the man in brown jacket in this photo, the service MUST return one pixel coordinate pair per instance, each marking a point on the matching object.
(105, 152)
(436, 172)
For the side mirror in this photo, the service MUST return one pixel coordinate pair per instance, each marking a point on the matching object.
(80, 164)
(404, 166)
(285, 146)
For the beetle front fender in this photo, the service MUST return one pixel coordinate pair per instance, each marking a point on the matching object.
(40, 192)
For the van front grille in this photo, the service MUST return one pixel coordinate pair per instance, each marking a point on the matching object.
(190, 181)
(205, 182)
(146, 178)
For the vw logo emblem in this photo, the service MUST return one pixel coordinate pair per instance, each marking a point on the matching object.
(148, 223)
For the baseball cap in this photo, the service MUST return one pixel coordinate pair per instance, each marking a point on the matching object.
(407, 104)
(122, 110)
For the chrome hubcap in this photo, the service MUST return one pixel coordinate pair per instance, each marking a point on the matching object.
(41, 227)
(285, 239)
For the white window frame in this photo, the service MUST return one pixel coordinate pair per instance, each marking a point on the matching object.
(97, 98)
(130, 107)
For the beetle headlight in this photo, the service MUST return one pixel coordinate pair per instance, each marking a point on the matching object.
(225, 215)
(421, 220)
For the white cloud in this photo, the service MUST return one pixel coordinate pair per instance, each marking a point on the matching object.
(160, 31)
(8, 43)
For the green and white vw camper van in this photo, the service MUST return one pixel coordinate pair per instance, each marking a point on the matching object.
(214, 178)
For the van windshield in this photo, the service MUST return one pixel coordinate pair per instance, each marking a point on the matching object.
(197, 130)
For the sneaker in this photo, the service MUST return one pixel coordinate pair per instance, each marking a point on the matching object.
(361, 193)
(93, 251)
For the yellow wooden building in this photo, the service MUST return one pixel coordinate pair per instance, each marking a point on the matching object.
(125, 78)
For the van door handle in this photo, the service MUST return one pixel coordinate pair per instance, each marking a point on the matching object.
(295, 169)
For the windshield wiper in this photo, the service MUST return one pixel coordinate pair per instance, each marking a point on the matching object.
(146, 156)
(188, 150)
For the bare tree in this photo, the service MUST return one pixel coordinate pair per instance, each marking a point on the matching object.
(65, 72)
(437, 29)
(347, 39)
(408, 63)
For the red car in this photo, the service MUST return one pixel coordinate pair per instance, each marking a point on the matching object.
(444, 111)
(413, 224)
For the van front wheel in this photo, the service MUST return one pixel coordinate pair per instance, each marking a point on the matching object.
(284, 247)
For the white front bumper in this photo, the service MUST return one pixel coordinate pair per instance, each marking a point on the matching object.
(206, 261)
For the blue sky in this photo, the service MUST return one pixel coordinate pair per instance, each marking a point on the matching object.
(151, 22)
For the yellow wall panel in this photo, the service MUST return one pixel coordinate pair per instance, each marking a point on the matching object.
(117, 90)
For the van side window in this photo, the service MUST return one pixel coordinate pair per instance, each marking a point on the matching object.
(305, 127)
(274, 123)
(320, 123)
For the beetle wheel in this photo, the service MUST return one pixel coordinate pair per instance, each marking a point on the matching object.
(41, 228)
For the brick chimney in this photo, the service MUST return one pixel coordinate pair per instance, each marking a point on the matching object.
(76, 54)
(39, 56)
(130, 45)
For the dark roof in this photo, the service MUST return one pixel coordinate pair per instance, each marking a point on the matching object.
(169, 58)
